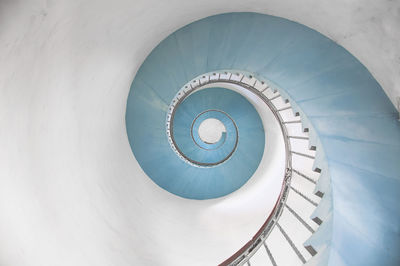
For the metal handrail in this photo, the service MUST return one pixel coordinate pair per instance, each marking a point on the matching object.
(242, 255)
(233, 122)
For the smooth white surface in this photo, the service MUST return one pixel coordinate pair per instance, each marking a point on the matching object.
(71, 192)
(210, 130)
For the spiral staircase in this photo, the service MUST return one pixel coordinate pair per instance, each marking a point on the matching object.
(326, 104)
(313, 163)
(290, 223)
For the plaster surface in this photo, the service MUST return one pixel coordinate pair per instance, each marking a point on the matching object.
(65, 164)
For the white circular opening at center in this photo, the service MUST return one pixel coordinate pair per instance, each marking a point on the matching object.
(210, 130)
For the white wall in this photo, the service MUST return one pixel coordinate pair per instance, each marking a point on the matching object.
(69, 191)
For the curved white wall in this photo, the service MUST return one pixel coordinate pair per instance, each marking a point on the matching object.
(65, 164)
(130, 29)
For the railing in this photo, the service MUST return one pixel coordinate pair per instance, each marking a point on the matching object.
(260, 89)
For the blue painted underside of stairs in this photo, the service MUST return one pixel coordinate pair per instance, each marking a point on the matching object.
(152, 150)
(353, 119)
